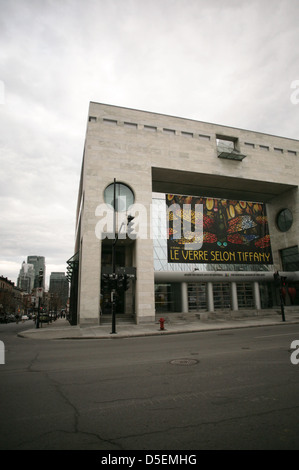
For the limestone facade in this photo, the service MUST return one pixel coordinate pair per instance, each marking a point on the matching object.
(151, 152)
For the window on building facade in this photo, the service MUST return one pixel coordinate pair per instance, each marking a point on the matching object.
(131, 125)
(150, 128)
(245, 295)
(169, 131)
(187, 134)
(222, 295)
(225, 144)
(284, 220)
(109, 121)
(197, 298)
(167, 298)
(264, 147)
(124, 196)
(204, 137)
(290, 259)
(228, 148)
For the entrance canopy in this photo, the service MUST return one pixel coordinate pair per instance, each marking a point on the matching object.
(221, 276)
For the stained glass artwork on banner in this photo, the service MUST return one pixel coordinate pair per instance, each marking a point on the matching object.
(234, 232)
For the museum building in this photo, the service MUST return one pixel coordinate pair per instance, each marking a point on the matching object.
(181, 216)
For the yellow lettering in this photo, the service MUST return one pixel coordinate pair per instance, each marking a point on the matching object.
(222, 256)
(203, 255)
(256, 257)
(174, 255)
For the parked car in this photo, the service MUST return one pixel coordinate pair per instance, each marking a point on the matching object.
(24, 317)
(10, 318)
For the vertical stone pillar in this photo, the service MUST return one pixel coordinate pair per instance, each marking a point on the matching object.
(184, 297)
(210, 297)
(256, 295)
(90, 280)
(145, 294)
(234, 296)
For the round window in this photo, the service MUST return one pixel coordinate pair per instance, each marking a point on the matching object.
(284, 220)
(124, 196)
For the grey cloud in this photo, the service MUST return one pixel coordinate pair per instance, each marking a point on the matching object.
(226, 62)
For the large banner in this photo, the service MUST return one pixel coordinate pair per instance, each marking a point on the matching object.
(207, 230)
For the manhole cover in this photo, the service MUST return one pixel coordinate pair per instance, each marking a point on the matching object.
(184, 362)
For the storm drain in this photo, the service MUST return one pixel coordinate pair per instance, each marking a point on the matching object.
(184, 362)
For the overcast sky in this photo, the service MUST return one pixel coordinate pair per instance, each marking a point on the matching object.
(230, 62)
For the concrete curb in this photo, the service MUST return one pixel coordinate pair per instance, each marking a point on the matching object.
(66, 331)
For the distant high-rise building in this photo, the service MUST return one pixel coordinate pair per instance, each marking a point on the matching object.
(26, 277)
(38, 263)
(59, 287)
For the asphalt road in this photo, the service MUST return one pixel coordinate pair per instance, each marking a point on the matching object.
(233, 389)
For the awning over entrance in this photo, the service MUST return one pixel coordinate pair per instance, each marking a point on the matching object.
(221, 276)
(72, 265)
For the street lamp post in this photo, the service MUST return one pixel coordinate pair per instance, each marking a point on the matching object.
(279, 282)
(113, 260)
(40, 281)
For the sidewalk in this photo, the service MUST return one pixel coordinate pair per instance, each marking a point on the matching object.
(174, 324)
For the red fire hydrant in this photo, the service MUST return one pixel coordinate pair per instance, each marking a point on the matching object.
(161, 323)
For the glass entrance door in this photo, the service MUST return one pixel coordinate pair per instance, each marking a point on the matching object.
(222, 296)
(245, 295)
(197, 297)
